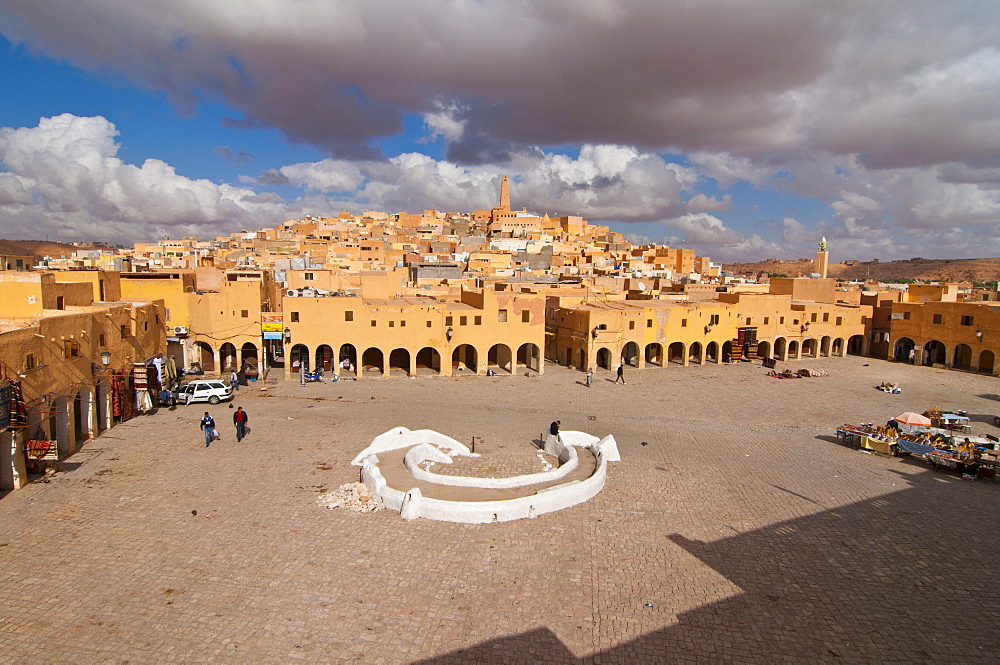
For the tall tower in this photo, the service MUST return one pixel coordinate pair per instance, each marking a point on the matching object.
(822, 258)
(504, 194)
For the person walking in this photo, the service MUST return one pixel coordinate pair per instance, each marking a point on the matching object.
(590, 375)
(621, 373)
(208, 427)
(240, 419)
(234, 380)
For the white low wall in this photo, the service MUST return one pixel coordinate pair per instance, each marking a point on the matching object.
(568, 459)
(412, 503)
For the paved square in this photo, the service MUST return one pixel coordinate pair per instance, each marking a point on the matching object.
(734, 530)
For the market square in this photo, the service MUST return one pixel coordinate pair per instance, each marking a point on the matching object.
(735, 529)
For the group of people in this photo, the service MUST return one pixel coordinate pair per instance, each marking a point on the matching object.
(620, 375)
(240, 420)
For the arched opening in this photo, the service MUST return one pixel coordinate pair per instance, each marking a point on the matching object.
(249, 359)
(347, 360)
(59, 425)
(712, 352)
(934, 353)
(675, 353)
(103, 407)
(630, 354)
(837, 349)
(904, 350)
(324, 358)
(694, 353)
(464, 360)
(764, 350)
(428, 361)
(654, 354)
(299, 356)
(780, 348)
(206, 357)
(824, 346)
(399, 362)
(499, 358)
(986, 362)
(373, 362)
(856, 345)
(603, 358)
(809, 348)
(227, 357)
(81, 415)
(727, 351)
(963, 357)
(528, 356)
(793, 350)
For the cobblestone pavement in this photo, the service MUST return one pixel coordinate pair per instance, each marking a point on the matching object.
(734, 530)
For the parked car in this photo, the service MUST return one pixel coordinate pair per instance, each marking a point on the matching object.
(204, 390)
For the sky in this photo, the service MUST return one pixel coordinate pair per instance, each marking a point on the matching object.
(744, 130)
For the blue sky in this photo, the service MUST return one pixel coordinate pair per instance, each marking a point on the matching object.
(743, 133)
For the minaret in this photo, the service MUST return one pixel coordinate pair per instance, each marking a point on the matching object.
(822, 258)
(504, 195)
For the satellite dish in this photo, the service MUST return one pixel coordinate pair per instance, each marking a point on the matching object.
(642, 286)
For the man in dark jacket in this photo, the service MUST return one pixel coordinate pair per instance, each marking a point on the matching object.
(240, 419)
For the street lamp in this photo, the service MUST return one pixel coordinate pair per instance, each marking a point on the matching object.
(449, 333)
(105, 357)
(979, 335)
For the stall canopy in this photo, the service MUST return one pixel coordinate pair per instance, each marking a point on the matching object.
(911, 418)
(951, 417)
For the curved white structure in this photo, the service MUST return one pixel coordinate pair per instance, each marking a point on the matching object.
(427, 445)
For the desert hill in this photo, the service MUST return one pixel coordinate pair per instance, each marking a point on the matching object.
(42, 248)
(917, 269)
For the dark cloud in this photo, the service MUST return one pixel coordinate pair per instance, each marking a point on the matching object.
(903, 87)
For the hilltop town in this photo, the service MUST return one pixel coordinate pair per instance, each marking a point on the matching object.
(89, 340)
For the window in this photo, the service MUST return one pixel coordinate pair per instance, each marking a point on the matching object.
(603, 326)
(840, 320)
(502, 316)
(766, 320)
(631, 325)
(525, 316)
(781, 319)
(448, 320)
(310, 276)
(462, 320)
(748, 320)
(826, 317)
(245, 313)
(812, 317)
(684, 323)
(938, 318)
(649, 323)
(348, 315)
(295, 317)
(29, 362)
(478, 320)
(102, 340)
(145, 326)
(795, 322)
(967, 320)
(70, 348)
(373, 323)
(906, 315)
(60, 302)
(166, 313)
(392, 324)
(714, 319)
(402, 324)
(124, 330)
(429, 324)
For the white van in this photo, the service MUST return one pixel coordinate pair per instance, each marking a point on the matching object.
(205, 390)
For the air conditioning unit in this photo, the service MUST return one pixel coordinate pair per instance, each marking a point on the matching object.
(292, 293)
(180, 330)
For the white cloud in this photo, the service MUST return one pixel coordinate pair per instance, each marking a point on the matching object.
(64, 179)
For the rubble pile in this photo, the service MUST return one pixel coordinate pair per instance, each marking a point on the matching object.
(353, 496)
